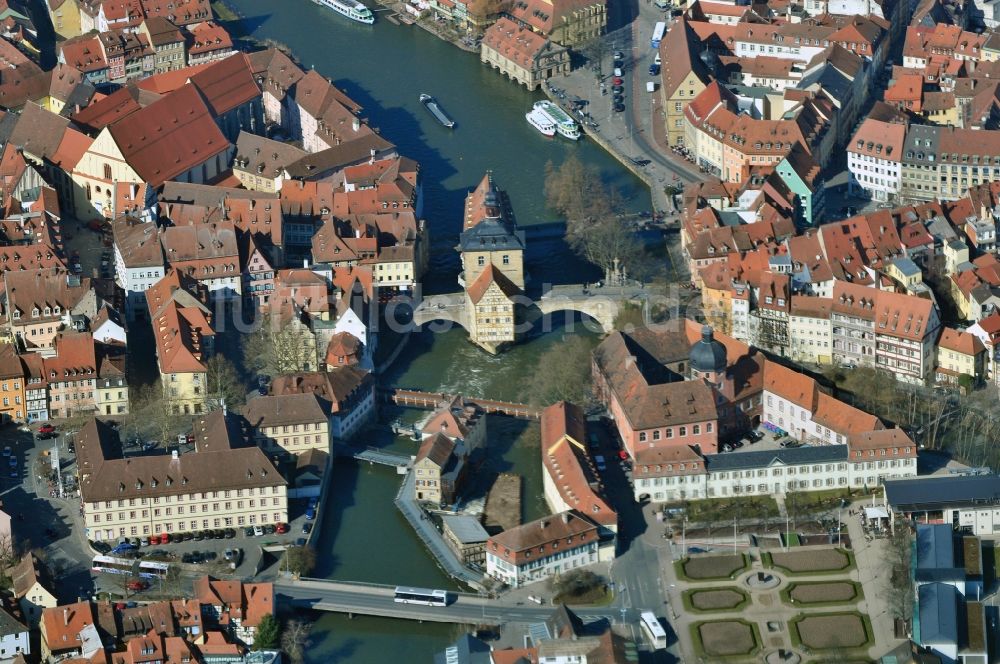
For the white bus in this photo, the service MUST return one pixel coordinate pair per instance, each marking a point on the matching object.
(144, 569)
(405, 595)
(653, 630)
(658, 32)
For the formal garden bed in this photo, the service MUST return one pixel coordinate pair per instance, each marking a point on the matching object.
(725, 638)
(820, 593)
(711, 567)
(809, 561)
(715, 599)
(832, 631)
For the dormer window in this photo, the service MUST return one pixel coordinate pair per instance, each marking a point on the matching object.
(56, 310)
(48, 311)
(34, 312)
(17, 315)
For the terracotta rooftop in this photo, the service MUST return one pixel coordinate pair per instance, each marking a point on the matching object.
(563, 456)
(169, 137)
(960, 342)
(541, 538)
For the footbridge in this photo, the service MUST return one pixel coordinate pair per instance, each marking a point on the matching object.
(463, 608)
(602, 304)
(431, 400)
(383, 458)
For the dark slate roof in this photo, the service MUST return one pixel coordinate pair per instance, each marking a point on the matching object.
(467, 650)
(491, 235)
(831, 80)
(708, 354)
(933, 493)
(935, 548)
(9, 624)
(787, 456)
(938, 604)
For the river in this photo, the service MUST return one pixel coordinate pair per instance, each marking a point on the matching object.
(385, 67)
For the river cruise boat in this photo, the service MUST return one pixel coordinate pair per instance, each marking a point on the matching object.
(565, 125)
(435, 109)
(541, 122)
(349, 8)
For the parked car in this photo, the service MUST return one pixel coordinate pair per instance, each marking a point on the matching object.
(311, 513)
(654, 69)
(281, 528)
(618, 108)
(198, 535)
(230, 533)
(258, 531)
(300, 541)
(269, 529)
(307, 528)
(249, 531)
(46, 430)
(137, 584)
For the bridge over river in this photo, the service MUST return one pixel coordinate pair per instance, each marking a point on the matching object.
(602, 304)
(464, 608)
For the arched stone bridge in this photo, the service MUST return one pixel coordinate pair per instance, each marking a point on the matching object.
(601, 304)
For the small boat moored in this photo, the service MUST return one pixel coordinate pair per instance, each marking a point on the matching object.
(541, 122)
(435, 109)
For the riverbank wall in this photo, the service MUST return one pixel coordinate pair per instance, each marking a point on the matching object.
(426, 22)
(658, 196)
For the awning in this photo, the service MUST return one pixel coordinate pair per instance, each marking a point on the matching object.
(876, 513)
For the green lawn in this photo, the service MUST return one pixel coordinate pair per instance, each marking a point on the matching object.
(722, 509)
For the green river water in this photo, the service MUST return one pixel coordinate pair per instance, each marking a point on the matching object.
(385, 67)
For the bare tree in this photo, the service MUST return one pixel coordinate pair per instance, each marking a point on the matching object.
(280, 347)
(222, 384)
(151, 413)
(562, 374)
(295, 640)
(577, 192)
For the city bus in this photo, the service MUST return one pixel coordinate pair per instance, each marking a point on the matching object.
(406, 595)
(653, 630)
(658, 32)
(144, 569)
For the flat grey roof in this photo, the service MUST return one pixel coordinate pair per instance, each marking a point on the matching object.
(466, 529)
(788, 456)
(940, 491)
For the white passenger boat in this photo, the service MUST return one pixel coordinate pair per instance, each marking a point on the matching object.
(565, 125)
(351, 9)
(541, 122)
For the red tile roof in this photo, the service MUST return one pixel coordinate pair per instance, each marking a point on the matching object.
(515, 43)
(207, 37)
(226, 84)
(960, 342)
(169, 137)
(564, 454)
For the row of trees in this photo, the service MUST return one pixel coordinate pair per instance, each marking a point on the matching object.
(966, 427)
